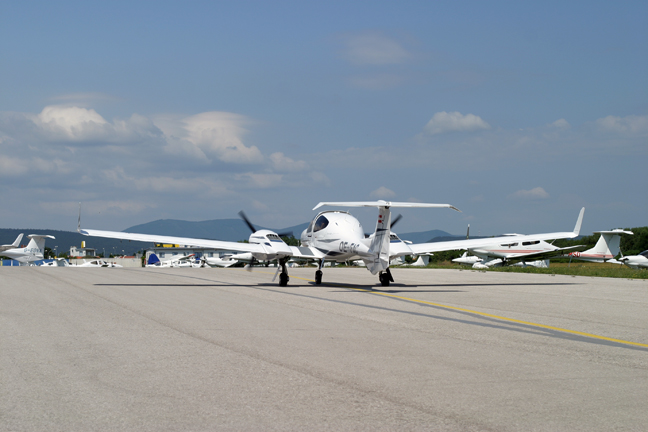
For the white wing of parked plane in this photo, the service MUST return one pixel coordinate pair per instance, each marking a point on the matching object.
(153, 238)
(476, 243)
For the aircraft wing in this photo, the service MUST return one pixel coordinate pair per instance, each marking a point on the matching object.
(545, 255)
(477, 243)
(306, 252)
(154, 238)
(421, 248)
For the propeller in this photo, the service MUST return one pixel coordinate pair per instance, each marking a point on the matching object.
(247, 221)
(395, 221)
(253, 228)
(468, 233)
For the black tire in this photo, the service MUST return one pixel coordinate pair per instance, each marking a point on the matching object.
(384, 279)
(318, 277)
(283, 279)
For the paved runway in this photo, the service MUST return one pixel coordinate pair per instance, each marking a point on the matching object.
(223, 349)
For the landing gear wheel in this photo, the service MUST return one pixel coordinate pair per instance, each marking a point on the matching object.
(384, 279)
(283, 279)
(318, 277)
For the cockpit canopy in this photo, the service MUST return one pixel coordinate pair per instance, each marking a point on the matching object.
(644, 253)
(321, 223)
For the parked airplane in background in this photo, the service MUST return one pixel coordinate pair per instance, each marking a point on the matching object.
(32, 252)
(96, 263)
(508, 249)
(175, 261)
(331, 236)
(633, 261)
(13, 245)
(606, 248)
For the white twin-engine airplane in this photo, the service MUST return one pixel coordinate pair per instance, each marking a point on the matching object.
(331, 236)
(338, 236)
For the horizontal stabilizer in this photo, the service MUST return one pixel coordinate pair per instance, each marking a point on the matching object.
(381, 203)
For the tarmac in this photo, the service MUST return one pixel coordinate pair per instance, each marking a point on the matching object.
(224, 349)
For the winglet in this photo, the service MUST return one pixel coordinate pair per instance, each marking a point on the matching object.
(579, 222)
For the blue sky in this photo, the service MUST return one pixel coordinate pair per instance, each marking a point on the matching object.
(518, 113)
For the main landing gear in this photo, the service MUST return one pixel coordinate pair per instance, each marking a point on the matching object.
(385, 277)
(283, 276)
(318, 274)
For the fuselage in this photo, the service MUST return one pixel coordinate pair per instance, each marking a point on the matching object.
(513, 249)
(340, 237)
(636, 261)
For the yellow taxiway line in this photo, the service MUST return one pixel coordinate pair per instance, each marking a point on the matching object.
(484, 314)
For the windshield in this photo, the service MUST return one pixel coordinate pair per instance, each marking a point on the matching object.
(320, 223)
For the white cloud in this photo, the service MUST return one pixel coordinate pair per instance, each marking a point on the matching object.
(630, 125)
(73, 124)
(443, 122)
(560, 124)
(282, 163)
(382, 192)
(373, 48)
(210, 135)
(533, 194)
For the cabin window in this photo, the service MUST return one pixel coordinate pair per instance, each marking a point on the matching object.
(509, 245)
(644, 253)
(320, 223)
(529, 243)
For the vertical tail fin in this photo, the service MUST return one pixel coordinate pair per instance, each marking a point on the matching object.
(36, 246)
(16, 243)
(380, 242)
(608, 245)
(579, 222)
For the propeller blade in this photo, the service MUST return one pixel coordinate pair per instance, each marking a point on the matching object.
(468, 232)
(247, 221)
(395, 221)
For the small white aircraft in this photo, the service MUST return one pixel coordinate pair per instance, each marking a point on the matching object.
(226, 261)
(96, 263)
(633, 261)
(175, 261)
(13, 245)
(606, 248)
(508, 249)
(32, 252)
(331, 236)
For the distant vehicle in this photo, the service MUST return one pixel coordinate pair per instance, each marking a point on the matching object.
(32, 252)
(13, 245)
(633, 261)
